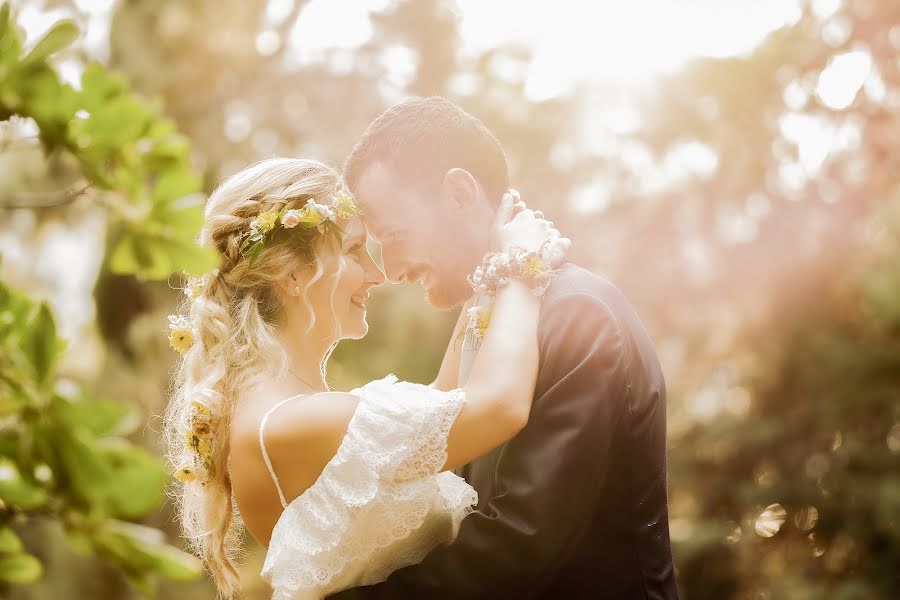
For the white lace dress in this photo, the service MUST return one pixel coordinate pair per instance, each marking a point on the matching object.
(380, 504)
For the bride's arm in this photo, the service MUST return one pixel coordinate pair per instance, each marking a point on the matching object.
(501, 385)
(448, 375)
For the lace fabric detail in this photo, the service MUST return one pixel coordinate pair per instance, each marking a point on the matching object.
(381, 503)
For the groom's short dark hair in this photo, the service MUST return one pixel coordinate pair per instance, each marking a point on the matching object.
(426, 137)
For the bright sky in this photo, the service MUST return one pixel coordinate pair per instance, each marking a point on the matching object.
(608, 42)
(602, 41)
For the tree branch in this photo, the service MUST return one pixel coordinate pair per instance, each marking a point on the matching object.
(47, 200)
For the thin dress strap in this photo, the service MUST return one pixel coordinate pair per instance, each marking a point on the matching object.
(262, 446)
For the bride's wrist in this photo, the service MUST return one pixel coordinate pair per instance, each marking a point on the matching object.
(535, 268)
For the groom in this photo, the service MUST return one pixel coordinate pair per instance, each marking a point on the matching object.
(575, 505)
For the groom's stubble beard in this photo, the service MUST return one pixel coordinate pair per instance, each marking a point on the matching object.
(449, 288)
(447, 293)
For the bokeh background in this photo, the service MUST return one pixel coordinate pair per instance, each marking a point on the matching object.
(733, 166)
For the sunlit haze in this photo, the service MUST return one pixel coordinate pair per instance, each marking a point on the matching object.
(614, 43)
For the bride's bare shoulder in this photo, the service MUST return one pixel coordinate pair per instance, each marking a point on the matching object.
(300, 419)
(301, 436)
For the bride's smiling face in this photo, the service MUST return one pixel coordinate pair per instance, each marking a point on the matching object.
(359, 274)
(338, 298)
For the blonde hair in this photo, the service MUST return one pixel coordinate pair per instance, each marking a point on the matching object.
(235, 318)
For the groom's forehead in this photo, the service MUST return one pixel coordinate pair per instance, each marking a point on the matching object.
(385, 181)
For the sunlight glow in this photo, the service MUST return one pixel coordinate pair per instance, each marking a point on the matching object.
(770, 520)
(615, 42)
(841, 80)
(573, 42)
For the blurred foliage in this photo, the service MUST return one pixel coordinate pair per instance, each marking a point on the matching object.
(769, 280)
(63, 457)
(782, 279)
(63, 454)
(121, 145)
(798, 494)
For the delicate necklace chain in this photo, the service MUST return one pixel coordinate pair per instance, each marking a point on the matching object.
(311, 386)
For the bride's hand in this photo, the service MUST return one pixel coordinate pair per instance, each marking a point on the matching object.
(527, 230)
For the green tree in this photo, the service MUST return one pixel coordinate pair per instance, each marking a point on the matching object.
(64, 454)
(776, 276)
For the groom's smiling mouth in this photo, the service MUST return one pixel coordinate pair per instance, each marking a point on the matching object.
(414, 275)
(359, 299)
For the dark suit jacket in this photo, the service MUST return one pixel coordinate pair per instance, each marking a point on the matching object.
(575, 505)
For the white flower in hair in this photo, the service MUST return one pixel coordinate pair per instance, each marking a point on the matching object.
(326, 212)
(195, 285)
(291, 218)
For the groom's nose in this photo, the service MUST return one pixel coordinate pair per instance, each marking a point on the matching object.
(395, 273)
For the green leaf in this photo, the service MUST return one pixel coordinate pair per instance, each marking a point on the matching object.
(138, 254)
(141, 549)
(12, 400)
(41, 345)
(10, 42)
(17, 491)
(80, 541)
(20, 568)
(167, 152)
(59, 37)
(99, 416)
(175, 184)
(82, 466)
(138, 481)
(156, 257)
(191, 258)
(254, 254)
(118, 122)
(98, 86)
(9, 541)
(4, 18)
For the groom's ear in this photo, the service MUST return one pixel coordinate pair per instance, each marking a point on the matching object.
(460, 188)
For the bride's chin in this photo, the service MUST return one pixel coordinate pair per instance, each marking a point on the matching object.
(356, 329)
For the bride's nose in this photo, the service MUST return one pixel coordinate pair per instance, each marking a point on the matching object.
(374, 275)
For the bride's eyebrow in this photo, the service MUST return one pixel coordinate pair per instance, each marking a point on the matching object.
(354, 240)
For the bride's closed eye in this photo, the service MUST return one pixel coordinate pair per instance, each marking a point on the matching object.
(356, 249)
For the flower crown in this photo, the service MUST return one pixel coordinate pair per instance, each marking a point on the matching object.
(312, 215)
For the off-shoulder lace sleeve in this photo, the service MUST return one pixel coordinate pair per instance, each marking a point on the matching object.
(380, 503)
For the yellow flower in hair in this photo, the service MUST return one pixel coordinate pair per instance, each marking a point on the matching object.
(185, 474)
(344, 207)
(200, 408)
(266, 221)
(204, 448)
(310, 217)
(181, 336)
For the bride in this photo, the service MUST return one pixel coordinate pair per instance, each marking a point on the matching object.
(341, 488)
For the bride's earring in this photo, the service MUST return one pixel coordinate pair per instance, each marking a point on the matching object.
(297, 290)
